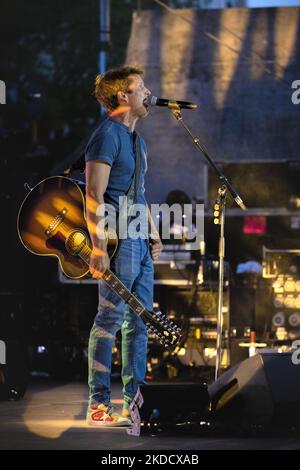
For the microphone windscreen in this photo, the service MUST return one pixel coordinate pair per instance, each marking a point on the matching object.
(153, 100)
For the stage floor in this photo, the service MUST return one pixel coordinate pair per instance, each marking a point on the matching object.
(52, 416)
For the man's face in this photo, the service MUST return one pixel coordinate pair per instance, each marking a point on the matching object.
(137, 95)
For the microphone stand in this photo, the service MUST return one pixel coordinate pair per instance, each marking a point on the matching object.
(222, 192)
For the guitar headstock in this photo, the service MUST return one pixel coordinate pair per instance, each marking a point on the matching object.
(166, 331)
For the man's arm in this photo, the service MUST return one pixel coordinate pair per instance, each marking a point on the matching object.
(97, 176)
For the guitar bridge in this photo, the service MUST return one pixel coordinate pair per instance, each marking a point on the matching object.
(55, 222)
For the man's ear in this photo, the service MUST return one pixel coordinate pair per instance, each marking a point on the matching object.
(122, 97)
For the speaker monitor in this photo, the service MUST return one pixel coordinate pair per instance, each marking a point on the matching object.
(169, 404)
(262, 391)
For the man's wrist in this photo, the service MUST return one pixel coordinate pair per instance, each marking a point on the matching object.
(99, 244)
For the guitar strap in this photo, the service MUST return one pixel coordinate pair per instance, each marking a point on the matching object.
(131, 194)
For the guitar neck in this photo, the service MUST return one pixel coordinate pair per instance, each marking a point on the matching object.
(116, 285)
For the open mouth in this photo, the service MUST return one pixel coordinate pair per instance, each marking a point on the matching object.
(146, 103)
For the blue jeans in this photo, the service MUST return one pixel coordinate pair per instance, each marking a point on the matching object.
(134, 267)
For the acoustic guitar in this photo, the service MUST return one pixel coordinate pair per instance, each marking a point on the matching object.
(52, 222)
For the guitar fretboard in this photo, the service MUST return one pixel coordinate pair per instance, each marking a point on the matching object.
(116, 285)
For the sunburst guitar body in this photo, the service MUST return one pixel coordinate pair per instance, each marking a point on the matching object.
(52, 222)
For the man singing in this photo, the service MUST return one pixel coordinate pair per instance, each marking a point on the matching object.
(116, 157)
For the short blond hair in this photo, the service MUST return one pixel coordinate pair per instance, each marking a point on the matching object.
(111, 82)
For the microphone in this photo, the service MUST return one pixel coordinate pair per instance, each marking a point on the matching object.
(154, 101)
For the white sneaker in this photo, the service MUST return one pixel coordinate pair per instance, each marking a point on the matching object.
(102, 415)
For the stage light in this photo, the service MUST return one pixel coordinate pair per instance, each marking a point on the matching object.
(289, 301)
(289, 285)
(294, 202)
(281, 334)
(181, 352)
(255, 224)
(297, 301)
(278, 284)
(217, 213)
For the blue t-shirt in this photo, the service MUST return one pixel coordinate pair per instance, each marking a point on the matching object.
(112, 143)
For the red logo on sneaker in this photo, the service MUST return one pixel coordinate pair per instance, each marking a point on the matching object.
(101, 416)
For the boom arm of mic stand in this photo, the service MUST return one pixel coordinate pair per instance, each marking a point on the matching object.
(173, 106)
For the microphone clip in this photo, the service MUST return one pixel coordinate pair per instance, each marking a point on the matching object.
(174, 106)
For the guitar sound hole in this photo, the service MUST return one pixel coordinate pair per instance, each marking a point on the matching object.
(75, 242)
